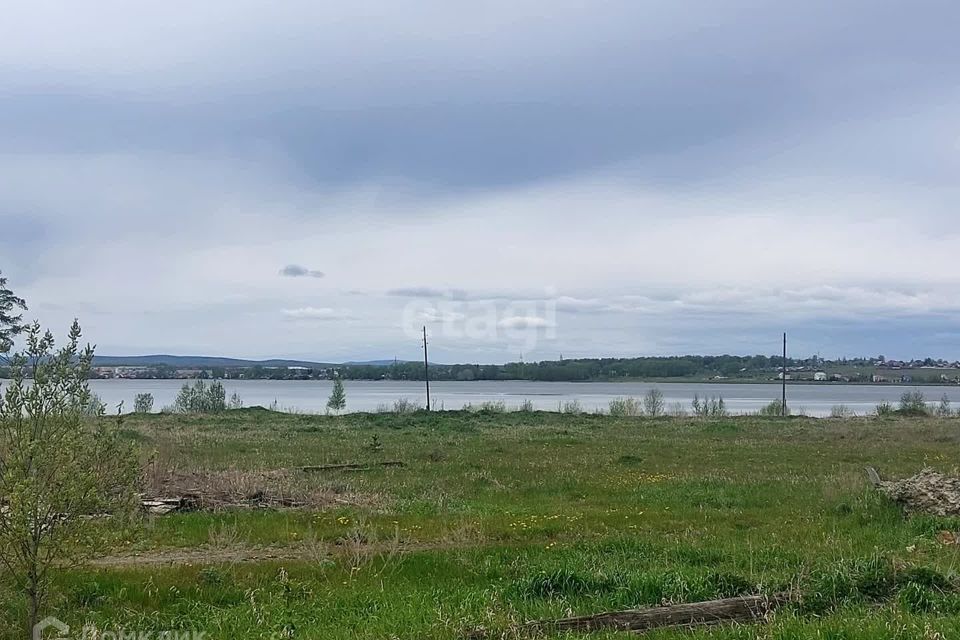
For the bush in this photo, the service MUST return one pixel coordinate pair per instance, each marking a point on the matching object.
(526, 406)
(653, 403)
(625, 407)
(709, 407)
(143, 403)
(493, 406)
(572, 407)
(774, 410)
(94, 406)
(841, 411)
(404, 405)
(235, 401)
(201, 398)
(912, 403)
(943, 409)
(884, 409)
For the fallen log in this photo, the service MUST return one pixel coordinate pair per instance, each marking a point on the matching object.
(161, 506)
(676, 616)
(354, 466)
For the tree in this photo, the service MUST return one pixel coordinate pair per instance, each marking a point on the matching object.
(143, 403)
(338, 397)
(653, 403)
(11, 323)
(57, 468)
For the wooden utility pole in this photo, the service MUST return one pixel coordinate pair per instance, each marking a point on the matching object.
(426, 366)
(783, 400)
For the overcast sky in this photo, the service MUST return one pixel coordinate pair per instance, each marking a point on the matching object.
(635, 177)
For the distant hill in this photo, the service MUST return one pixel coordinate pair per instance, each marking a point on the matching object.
(187, 362)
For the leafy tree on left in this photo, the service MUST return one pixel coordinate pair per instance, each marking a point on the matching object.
(11, 322)
(68, 482)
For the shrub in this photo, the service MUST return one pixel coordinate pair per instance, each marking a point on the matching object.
(493, 406)
(404, 405)
(774, 409)
(943, 409)
(912, 403)
(884, 409)
(841, 411)
(94, 406)
(625, 407)
(201, 398)
(235, 401)
(572, 407)
(653, 403)
(526, 406)
(143, 403)
(709, 407)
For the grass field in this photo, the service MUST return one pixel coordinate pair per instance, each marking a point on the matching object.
(500, 518)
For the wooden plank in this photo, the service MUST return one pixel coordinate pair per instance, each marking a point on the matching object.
(351, 466)
(685, 616)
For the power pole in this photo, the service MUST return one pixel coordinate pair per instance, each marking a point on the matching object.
(426, 366)
(783, 400)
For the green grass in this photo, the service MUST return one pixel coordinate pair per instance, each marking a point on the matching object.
(504, 517)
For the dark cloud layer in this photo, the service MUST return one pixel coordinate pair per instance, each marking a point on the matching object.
(671, 177)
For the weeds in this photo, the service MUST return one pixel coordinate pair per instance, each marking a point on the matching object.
(626, 407)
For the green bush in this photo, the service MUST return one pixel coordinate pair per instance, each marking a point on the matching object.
(626, 407)
(774, 410)
(884, 409)
(143, 403)
(912, 403)
(201, 398)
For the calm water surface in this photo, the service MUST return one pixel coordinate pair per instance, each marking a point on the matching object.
(311, 396)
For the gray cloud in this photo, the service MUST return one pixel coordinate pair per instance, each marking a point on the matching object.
(428, 292)
(314, 313)
(298, 271)
(687, 178)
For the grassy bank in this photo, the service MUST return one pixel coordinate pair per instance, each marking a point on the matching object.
(496, 518)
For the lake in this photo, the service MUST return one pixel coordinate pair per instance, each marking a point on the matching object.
(311, 396)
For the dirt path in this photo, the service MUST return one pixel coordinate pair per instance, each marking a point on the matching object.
(231, 555)
(200, 556)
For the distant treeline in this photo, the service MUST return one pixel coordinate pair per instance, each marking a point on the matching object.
(690, 367)
(584, 369)
(567, 370)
